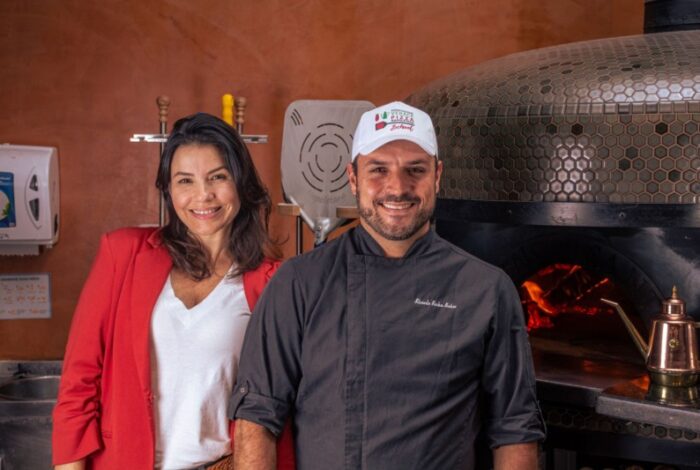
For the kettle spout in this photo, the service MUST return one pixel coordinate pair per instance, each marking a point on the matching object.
(638, 340)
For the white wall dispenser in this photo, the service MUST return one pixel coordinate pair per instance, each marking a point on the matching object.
(29, 199)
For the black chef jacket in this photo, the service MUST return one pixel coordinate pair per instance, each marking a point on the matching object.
(389, 363)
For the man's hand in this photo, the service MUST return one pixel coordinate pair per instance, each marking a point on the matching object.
(515, 457)
(254, 447)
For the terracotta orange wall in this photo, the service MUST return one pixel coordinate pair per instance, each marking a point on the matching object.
(83, 76)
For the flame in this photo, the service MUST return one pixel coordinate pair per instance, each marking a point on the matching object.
(561, 288)
(535, 292)
(535, 305)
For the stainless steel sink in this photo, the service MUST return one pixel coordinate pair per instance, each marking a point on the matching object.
(31, 388)
(28, 392)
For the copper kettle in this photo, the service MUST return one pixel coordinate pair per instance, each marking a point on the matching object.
(672, 353)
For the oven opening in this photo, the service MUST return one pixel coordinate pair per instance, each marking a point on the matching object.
(564, 314)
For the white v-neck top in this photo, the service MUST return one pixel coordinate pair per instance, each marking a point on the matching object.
(194, 361)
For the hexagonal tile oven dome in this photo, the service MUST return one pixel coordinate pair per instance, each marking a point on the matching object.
(605, 121)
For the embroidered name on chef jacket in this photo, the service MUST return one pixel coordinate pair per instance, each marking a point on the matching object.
(434, 303)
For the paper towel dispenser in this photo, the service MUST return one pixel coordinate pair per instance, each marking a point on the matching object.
(29, 199)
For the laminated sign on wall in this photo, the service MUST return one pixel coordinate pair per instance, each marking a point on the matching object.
(25, 296)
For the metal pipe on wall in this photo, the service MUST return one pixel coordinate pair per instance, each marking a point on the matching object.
(163, 103)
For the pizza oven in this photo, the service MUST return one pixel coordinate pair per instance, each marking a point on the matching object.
(575, 169)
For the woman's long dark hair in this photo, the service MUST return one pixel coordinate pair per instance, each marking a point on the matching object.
(249, 242)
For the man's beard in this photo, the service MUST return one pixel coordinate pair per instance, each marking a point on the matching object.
(392, 231)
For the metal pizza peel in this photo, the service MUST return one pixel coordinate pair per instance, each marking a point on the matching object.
(316, 145)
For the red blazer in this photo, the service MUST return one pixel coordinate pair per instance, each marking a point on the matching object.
(104, 410)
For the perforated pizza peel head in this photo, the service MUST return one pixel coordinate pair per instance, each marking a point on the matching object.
(316, 147)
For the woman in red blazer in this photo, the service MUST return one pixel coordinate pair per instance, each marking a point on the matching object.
(107, 415)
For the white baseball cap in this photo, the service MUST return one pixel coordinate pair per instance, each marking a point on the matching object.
(390, 122)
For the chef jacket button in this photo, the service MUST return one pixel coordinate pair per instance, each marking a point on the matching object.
(243, 389)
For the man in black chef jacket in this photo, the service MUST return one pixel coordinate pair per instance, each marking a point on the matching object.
(389, 347)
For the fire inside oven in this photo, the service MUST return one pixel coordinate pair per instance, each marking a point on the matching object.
(564, 313)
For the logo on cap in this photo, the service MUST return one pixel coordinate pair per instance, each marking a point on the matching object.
(396, 118)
